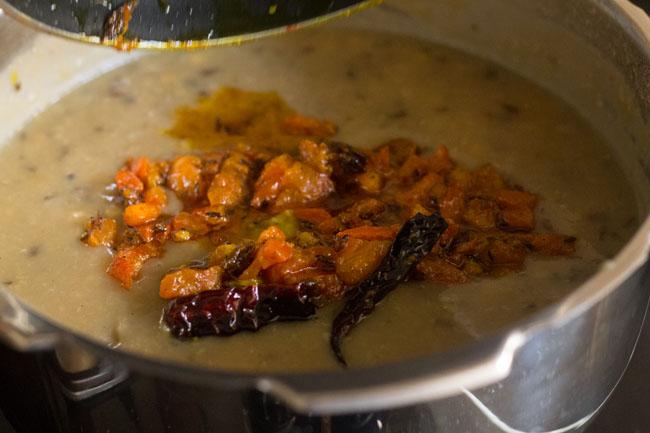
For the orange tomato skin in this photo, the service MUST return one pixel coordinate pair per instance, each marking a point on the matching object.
(128, 261)
(140, 213)
(188, 281)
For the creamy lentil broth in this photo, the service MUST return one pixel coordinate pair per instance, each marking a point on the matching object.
(377, 87)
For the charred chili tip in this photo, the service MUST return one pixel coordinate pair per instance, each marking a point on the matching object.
(414, 241)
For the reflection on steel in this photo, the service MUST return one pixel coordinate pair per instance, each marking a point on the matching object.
(21, 329)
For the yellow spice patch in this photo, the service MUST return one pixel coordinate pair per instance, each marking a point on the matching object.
(230, 117)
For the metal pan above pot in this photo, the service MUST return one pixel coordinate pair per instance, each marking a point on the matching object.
(185, 24)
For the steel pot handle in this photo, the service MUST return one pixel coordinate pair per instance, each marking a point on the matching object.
(489, 363)
(22, 330)
(81, 374)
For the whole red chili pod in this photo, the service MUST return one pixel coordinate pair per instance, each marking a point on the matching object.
(231, 310)
(415, 240)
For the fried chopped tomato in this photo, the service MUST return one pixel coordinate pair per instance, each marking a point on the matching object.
(551, 244)
(317, 155)
(421, 190)
(229, 187)
(370, 233)
(155, 231)
(272, 252)
(303, 125)
(286, 183)
(452, 203)
(441, 271)
(359, 258)
(141, 213)
(184, 177)
(362, 210)
(273, 232)
(314, 216)
(214, 216)
(188, 281)
(297, 220)
(186, 226)
(371, 182)
(100, 231)
(517, 219)
(512, 199)
(128, 261)
(126, 179)
(156, 196)
(129, 185)
(312, 267)
(507, 252)
(480, 213)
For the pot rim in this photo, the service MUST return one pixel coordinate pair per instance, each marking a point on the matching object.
(434, 376)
